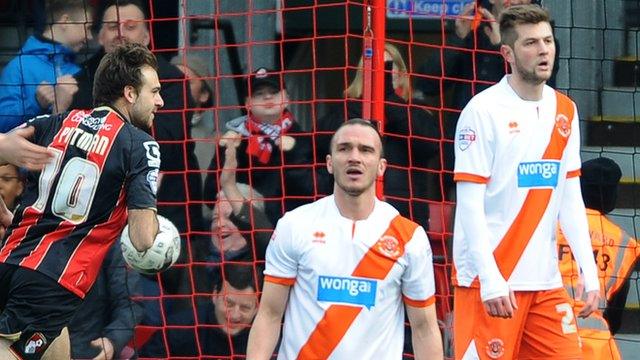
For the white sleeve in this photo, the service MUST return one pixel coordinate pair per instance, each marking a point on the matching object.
(418, 283)
(473, 145)
(573, 145)
(574, 225)
(470, 211)
(282, 255)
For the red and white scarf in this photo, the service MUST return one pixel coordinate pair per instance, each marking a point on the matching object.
(259, 132)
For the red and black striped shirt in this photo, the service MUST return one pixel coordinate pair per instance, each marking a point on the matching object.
(75, 208)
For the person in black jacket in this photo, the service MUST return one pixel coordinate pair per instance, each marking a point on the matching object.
(411, 140)
(179, 196)
(274, 153)
(104, 323)
(220, 322)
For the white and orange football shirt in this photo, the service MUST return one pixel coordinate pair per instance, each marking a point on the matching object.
(523, 151)
(348, 280)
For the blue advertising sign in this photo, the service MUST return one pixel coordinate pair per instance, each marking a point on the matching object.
(403, 9)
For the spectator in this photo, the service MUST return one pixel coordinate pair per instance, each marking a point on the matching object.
(39, 80)
(615, 252)
(410, 142)
(224, 317)
(201, 86)
(272, 149)
(240, 230)
(178, 195)
(105, 321)
(471, 62)
(11, 185)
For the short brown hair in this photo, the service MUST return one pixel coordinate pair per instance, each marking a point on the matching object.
(357, 121)
(122, 67)
(518, 15)
(56, 8)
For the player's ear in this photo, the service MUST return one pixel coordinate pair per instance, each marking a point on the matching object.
(329, 164)
(130, 94)
(507, 53)
(382, 166)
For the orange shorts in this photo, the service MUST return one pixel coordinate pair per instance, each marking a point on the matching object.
(543, 327)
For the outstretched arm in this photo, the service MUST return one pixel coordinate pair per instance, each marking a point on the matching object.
(266, 327)
(15, 148)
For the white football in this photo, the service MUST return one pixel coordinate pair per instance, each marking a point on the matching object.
(163, 253)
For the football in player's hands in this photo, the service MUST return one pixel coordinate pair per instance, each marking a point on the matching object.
(160, 256)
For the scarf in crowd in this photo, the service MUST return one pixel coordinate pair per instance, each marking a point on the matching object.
(259, 145)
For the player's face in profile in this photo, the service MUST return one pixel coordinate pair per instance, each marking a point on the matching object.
(235, 308)
(355, 159)
(148, 100)
(120, 23)
(534, 52)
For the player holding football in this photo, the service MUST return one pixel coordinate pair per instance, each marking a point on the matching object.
(103, 171)
(517, 165)
(343, 266)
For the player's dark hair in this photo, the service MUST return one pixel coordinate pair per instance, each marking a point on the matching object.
(54, 9)
(357, 121)
(518, 15)
(99, 16)
(239, 276)
(122, 67)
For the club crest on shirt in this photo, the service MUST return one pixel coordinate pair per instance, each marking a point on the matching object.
(35, 344)
(562, 125)
(495, 348)
(319, 237)
(466, 137)
(389, 246)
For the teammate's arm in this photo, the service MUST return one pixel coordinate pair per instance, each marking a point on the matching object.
(497, 298)
(16, 149)
(573, 221)
(143, 228)
(425, 333)
(265, 330)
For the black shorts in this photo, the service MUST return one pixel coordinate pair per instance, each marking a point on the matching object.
(34, 307)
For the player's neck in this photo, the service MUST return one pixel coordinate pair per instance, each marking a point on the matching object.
(122, 110)
(525, 89)
(355, 207)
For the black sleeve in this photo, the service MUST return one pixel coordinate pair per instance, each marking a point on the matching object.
(125, 313)
(615, 307)
(210, 190)
(143, 172)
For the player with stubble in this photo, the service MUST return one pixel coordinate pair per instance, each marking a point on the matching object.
(343, 269)
(102, 174)
(517, 171)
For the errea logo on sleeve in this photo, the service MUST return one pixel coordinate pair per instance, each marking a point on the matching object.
(538, 174)
(349, 290)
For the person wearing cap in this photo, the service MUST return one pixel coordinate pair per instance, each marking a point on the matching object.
(615, 252)
(273, 150)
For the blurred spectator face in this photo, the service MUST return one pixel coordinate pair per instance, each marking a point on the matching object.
(10, 185)
(226, 237)
(78, 29)
(395, 75)
(121, 23)
(235, 308)
(267, 103)
(197, 86)
(147, 99)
